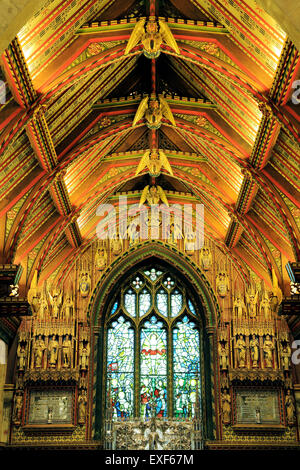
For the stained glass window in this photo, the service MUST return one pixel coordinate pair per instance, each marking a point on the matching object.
(120, 367)
(144, 302)
(153, 274)
(153, 388)
(162, 302)
(191, 307)
(186, 368)
(154, 332)
(176, 303)
(130, 302)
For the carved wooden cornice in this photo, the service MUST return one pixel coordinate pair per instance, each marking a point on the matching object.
(68, 375)
(250, 375)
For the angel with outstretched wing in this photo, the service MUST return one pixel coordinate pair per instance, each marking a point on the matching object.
(153, 194)
(151, 34)
(136, 35)
(154, 160)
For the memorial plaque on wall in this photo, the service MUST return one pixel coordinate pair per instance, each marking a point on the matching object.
(50, 407)
(257, 407)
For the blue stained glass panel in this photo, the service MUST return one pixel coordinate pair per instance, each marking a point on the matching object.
(144, 302)
(153, 382)
(115, 308)
(130, 302)
(120, 368)
(186, 378)
(162, 302)
(176, 303)
(191, 307)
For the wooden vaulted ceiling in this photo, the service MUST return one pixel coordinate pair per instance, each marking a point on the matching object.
(67, 142)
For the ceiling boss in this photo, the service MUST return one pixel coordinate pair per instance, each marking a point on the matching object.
(152, 33)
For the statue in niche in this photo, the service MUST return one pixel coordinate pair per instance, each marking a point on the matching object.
(67, 351)
(53, 351)
(205, 258)
(286, 355)
(239, 308)
(84, 353)
(101, 258)
(290, 408)
(223, 356)
(189, 241)
(84, 284)
(265, 308)
(18, 407)
(68, 308)
(222, 283)
(252, 298)
(254, 349)
(226, 407)
(43, 307)
(241, 348)
(56, 301)
(38, 351)
(82, 401)
(268, 349)
(116, 245)
(21, 355)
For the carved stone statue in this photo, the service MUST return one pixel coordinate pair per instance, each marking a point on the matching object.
(101, 258)
(43, 307)
(82, 401)
(53, 351)
(265, 308)
(56, 301)
(252, 297)
(254, 348)
(239, 308)
(286, 356)
(84, 353)
(38, 351)
(21, 356)
(67, 351)
(68, 308)
(290, 408)
(268, 349)
(84, 284)
(226, 407)
(18, 406)
(241, 348)
(223, 356)
(205, 258)
(116, 245)
(222, 283)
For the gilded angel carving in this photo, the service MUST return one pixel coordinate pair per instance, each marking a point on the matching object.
(151, 34)
(154, 160)
(153, 109)
(153, 194)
